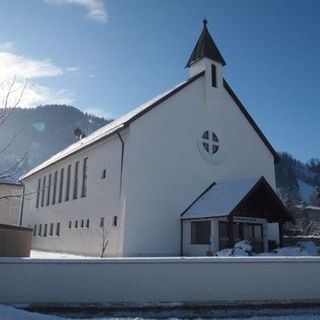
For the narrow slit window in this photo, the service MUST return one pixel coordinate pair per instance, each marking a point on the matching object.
(213, 75)
(84, 178)
(35, 230)
(43, 191)
(70, 224)
(55, 181)
(45, 230)
(68, 183)
(76, 180)
(115, 221)
(104, 174)
(38, 193)
(82, 223)
(51, 229)
(102, 222)
(49, 189)
(76, 224)
(40, 230)
(61, 184)
(58, 229)
(88, 223)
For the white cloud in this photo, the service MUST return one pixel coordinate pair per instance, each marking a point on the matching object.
(7, 46)
(20, 68)
(72, 69)
(95, 8)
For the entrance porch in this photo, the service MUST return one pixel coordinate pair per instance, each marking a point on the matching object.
(230, 212)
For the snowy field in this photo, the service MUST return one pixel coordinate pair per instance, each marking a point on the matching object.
(255, 313)
(37, 254)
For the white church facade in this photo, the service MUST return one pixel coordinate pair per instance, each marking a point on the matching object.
(187, 173)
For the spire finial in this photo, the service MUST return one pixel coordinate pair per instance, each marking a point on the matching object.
(205, 21)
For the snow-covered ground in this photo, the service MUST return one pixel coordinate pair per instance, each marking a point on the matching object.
(254, 313)
(244, 248)
(37, 254)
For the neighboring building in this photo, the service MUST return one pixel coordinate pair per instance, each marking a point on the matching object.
(10, 200)
(183, 174)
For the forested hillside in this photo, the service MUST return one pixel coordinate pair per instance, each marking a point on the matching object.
(300, 181)
(41, 132)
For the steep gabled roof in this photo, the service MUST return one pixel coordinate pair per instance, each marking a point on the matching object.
(230, 198)
(112, 127)
(124, 121)
(205, 47)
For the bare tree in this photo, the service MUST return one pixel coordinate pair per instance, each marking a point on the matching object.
(104, 233)
(12, 94)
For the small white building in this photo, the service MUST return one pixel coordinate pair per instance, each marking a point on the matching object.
(187, 173)
(10, 200)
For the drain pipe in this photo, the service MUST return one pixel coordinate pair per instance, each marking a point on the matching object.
(22, 203)
(121, 165)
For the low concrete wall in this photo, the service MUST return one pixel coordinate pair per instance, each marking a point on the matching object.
(205, 280)
(15, 241)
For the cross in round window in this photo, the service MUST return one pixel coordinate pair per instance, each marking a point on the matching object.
(210, 141)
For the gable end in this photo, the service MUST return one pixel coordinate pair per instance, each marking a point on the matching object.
(251, 121)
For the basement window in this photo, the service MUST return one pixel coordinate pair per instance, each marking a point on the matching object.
(102, 222)
(51, 229)
(104, 174)
(45, 230)
(58, 229)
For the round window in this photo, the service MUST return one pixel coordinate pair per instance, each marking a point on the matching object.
(210, 142)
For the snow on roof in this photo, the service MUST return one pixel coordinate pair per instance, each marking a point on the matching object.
(220, 199)
(111, 128)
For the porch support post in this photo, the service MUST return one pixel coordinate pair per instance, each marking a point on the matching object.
(181, 238)
(230, 231)
(280, 234)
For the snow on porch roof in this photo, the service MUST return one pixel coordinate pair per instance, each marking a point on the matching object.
(220, 199)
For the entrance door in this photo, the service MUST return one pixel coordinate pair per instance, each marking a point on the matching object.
(254, 233)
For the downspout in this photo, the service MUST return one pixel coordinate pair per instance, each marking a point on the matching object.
(181, 238)
(21, 208)
(121, 165)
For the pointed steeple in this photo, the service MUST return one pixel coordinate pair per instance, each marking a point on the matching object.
(205, 47)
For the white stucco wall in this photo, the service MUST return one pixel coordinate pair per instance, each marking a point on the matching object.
(164, 170)
(10, 207)
(102, 201)
(185, 280)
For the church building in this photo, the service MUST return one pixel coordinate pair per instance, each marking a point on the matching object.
(187, 173)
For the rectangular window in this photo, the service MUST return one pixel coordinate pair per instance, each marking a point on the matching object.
(49, 189)
(58, 229)
(68, 183)
(45, 230)
(84, 178)
(55, 181)
(35, 230)
(38, 193)
(213, 76)
(115, 221)
(61, 184)
(82, 223)
(76, 224)
(76, 180)
(70, 224)
(87, 223)
(200, 232)
(43, 190)
(51, 229)
(102, 222)
(39, 230)
(104, 174)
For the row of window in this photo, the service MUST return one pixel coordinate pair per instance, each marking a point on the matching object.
(46, 230)
(79, 224)
(51, 229)
(50, 192)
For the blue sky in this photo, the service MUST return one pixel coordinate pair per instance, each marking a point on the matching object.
(107, 57)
